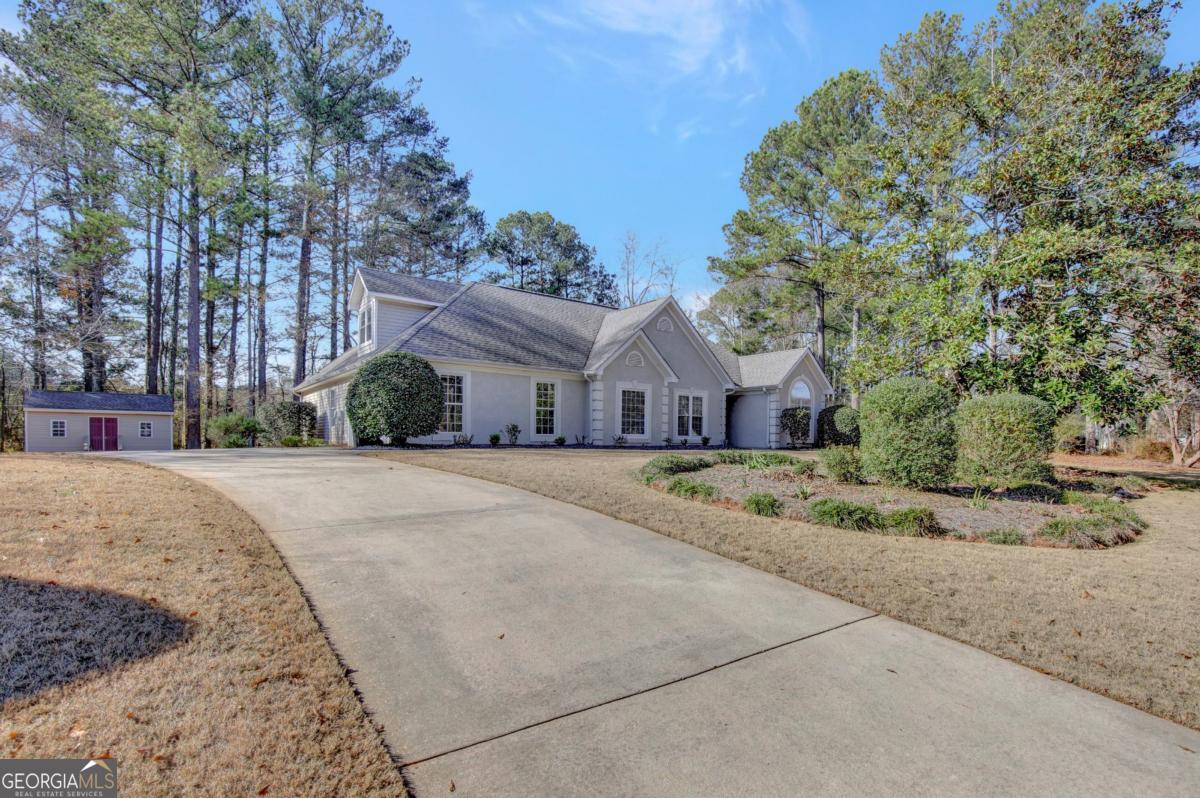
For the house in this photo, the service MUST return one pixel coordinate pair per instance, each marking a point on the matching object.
(557, 366)
(80, 421)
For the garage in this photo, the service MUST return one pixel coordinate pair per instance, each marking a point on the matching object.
(93, 421)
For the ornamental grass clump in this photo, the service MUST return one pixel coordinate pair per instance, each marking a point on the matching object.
(846, 515)
(914, 522)
(907, 429)
(668, 465)
(1003, 440)
(688, 488)
(765, 504)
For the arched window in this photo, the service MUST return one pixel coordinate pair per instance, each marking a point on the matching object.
(665, 325)
(635, 359)
(801, 395)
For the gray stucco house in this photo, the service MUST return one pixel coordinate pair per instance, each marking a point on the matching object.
(562, 367)
(82, 421)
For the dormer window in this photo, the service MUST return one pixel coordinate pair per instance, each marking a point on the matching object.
(366, 325)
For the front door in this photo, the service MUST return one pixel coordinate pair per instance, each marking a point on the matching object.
(103, 434)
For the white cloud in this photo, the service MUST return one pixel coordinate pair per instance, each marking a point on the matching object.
(693, 302)
(691, 30)
(798, 23)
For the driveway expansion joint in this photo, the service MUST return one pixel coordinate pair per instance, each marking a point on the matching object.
(643, 691)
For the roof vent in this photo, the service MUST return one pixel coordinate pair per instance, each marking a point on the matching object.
(665, 325)
(635, 359)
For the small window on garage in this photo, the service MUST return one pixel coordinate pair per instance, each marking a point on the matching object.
(146, 429)
(58, 428)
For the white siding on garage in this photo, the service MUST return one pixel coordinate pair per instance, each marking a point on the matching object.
(332, 425)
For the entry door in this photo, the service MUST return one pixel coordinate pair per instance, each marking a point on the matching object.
(103, 434)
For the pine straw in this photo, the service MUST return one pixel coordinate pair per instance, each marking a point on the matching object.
(147, 618)
(1120, 622)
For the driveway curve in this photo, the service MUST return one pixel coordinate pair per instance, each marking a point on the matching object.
(510, 644)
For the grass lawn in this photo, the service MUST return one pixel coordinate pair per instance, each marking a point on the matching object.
(1120, 621)
(148, 619)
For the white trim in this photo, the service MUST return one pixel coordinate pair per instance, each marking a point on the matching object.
(596, 408)
(674, 418)
(368, 306)
(149, 424)
(533, 384)
(62, 421)
(632, 386)
(489, 366)
(644, 341)
(466, 422)
(408, 300)
(101, 412)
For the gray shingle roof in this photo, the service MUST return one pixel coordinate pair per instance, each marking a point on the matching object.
(408, 285)
(617, 327)
(486, 322)
(768, 368)
(504, 325)
(99, 401)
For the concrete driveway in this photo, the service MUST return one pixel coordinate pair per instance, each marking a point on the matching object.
(512, 645)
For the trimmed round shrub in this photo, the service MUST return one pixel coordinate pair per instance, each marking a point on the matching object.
(395, 395)
(843, 464)
(907, 428)
(282, 419)
(795, 422)
(837, 425)
(1003, 440)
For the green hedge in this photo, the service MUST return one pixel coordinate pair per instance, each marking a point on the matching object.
(283, 419)
(837, 425)
(1003, 440)
(795, 423)
(395, 395)
(907, 427)
(232, 431)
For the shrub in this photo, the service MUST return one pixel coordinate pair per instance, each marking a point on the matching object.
(837, 425)
(761, 504)
(513, 433)
(1003, 440)
(795, 423)
(917, 522)
(494, 439)
(232, 430)
(803, 492)
(804, 468)
(842, 463)
(293, 441)
(1086, 532)
(668, 465)
(463, 440)
(907, 433)
(755, 460)
(1147, 449)
(395, 395)
(1070, 433)
(845, 515)
(1004, 537)
(688, 488)
(280, 419)
(560, 440)
(704, 440)
(1104, 507)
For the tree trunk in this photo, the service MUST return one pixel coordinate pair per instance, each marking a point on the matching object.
(149, 377)
(231, 363)
(39, 309)
(346, 340)
(334, 265)
(303, 273)
(210, 312)
(173, 367)
(855, 327)
(819, 299)
(263, 259)
(156, 313)
(192, 383)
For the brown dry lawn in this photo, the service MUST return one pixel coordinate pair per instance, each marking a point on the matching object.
(1122, 622)
(148, 619)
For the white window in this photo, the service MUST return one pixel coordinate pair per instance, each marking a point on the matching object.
(366, 324)
(545, 409)
(665, 325)
(689, 414)
(635, 359)
(633, 410)
(145, 429)
(58, 428)
(801, 395)
(452, 405)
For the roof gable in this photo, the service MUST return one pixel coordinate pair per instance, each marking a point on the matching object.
(768, 369)
(401, 286)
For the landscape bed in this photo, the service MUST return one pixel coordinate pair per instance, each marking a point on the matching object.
(1119, 621)
(148, 619)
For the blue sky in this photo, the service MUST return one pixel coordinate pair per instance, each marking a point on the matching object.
(620, 115)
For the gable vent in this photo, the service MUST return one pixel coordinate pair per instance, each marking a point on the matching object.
(635, 359)
(665, 325)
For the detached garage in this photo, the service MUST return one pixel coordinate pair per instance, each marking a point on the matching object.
(79, 421)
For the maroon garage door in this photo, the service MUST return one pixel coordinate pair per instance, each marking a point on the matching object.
(103, 434)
